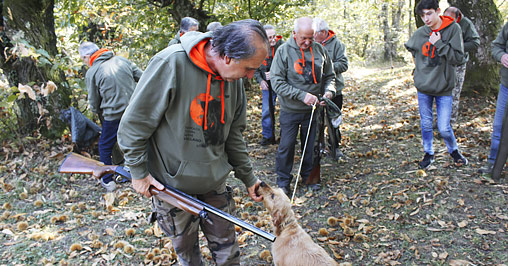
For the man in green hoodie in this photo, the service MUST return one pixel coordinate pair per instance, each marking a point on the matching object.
(437, 48)
(262, 76)
(471, 43)
(337, 51)
(110, 81)
(184, 127)
(187, 24)
(301, 71)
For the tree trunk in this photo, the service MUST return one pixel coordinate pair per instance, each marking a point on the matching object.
(482, 74)
(33, 20)
(386, 32)
(186, 8)
(396, 29)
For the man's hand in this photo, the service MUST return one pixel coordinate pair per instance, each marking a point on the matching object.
(252, 192)
(434, 37)
(504, 60)
(267, 74)
(142, 185)
(310, 99)
(264, 85)
(328, 95)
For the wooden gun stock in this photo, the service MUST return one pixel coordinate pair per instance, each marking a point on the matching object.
(78, 164)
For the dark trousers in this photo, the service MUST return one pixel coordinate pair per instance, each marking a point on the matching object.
(106, 143)
(290, 124)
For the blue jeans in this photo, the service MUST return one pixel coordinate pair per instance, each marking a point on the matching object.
(444, 111)
(106, 143)
(290, 124)
(502, 97)
(266, 121)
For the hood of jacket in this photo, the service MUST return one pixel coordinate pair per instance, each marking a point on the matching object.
(194, 44)
(101, 55)
(329, 39)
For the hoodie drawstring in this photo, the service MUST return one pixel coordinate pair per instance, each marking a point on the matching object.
(303, 57)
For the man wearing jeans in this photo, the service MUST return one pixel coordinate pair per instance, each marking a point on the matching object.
(262, 76)
(110, 81)
(436, 47)
(500, 53)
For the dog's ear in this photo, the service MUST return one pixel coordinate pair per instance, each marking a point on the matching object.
(277, 220)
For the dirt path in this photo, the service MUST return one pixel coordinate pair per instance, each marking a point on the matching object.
(375, 207)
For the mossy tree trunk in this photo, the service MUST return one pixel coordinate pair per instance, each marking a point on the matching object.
(482, 74)
(33, 22)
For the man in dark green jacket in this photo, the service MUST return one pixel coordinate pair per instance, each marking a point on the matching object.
(301, 71)
(184, 127)
(187, 24)
(337, 51)
(262, 76)
(500, 53)
(437, 48)
(110, 81)
(471, 43)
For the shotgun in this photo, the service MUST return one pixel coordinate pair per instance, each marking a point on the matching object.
(78, 164)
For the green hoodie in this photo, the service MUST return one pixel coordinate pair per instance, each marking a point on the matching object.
(336, 49)
(434, 72)
(260, 75)
(295, 72)
(184, 123)
(499, 48)
(110, 82)
(469, 36)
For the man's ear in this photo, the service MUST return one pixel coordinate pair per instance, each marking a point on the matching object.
(227, 60)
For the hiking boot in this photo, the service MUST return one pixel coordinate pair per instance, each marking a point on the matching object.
(285, 189)
(458, 159)
(267, 141)
(427, 161)
(110, 187)
(486, 169)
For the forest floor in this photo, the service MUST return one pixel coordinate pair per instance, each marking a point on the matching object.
(375, 206)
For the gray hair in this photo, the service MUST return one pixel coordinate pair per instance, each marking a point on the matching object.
(213, 26)
(187, 23)
(235, 40)
(268, 27)
(319, 25)
(87, 48)
(300, 21)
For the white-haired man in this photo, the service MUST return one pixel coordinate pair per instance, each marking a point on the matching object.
(300, 72)
(336, 49)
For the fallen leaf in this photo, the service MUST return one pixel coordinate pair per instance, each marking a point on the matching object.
(462, 224)
(443, 255)
(484, 232)
(459, 263)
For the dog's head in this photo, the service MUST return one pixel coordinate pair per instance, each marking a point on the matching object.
(278, 204)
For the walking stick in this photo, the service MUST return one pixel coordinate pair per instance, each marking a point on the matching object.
(303, 152)
(271, 107)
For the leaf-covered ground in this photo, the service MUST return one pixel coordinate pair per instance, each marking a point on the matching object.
(375, 207)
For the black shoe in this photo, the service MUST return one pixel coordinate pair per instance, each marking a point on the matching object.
(285, 189)
(458, 159)
(427, 161)
(314, 187)
(267, 141)
(487, 169)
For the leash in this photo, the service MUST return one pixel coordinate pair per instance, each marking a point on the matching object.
(303, 152)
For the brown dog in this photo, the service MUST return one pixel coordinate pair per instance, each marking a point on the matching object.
(293, 245)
